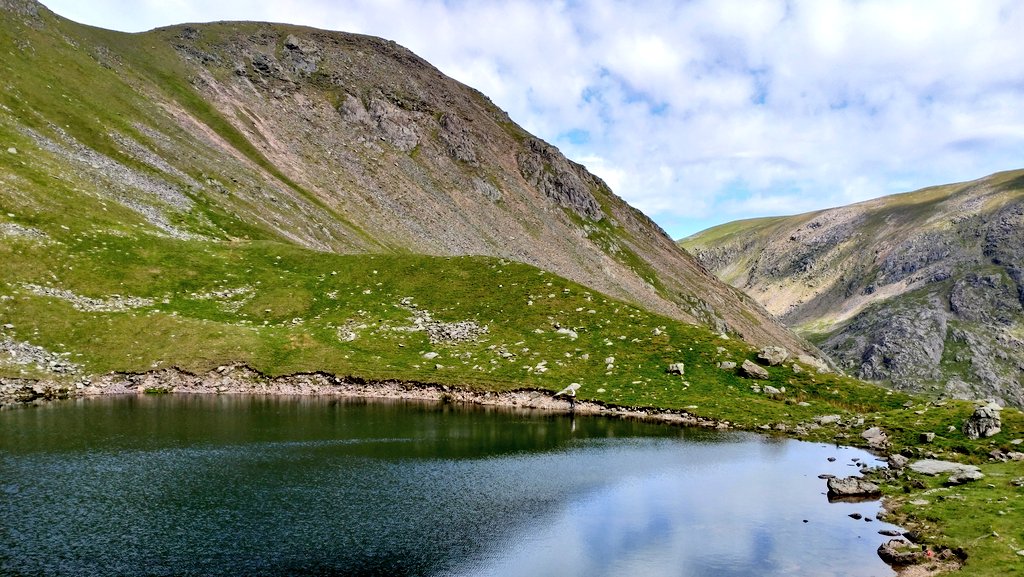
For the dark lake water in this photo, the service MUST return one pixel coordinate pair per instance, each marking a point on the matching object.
(275, 486)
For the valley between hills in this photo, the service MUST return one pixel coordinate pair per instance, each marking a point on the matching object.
(269, 206)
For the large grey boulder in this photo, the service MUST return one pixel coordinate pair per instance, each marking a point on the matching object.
(773, 356)
(753, 370)
(984, 422)
(965, 476)
(898, 462)
(937, 467)
(852, 487)
(827, 419)
(875, 437)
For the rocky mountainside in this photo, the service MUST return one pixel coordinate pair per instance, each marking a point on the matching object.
(341, 143)
(923, 290)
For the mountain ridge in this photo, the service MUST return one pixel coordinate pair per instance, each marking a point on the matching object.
(921, 289)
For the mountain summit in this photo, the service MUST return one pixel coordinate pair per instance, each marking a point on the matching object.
(923, 290)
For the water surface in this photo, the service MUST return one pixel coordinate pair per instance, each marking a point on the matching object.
(274, 486)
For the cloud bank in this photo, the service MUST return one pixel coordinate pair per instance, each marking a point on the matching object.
(706, 111)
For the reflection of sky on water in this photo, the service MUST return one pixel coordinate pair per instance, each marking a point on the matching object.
(711, 509)
(272, 487)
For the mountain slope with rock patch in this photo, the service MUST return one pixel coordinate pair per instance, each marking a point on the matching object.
(923, 290)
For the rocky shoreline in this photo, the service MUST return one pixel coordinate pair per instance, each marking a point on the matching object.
(241, 379)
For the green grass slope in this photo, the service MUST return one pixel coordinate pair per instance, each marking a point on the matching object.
(142, 227)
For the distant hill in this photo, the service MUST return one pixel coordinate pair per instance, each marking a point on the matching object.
(924, 290)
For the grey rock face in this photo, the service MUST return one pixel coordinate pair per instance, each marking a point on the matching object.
(753, 370)
(773, 356)
(301, 54)
(904, 346)
(676, 369)
(852, 487)
(559, 179)
(727, 365)
(458, 139)
(984, 422)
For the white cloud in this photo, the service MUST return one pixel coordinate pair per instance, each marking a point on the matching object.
(710, 110)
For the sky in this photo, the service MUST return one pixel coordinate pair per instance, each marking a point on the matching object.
(701, 112)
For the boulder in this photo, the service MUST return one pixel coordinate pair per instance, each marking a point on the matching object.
(573, 335)
(852, 487)
(770, 390)
(984, 422)
(927, 437)
(965, 476)
(727, 365)
(875, 437)
(936, 467)
(827, 419)
(753, 371)
(773, 356)
(900, 552)
(814, 362)
(898, 462)
(676, 369)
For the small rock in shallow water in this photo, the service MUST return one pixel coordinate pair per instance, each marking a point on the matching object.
(852, 487)
(889, 533)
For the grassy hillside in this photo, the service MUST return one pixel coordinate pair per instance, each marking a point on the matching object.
(303, 201)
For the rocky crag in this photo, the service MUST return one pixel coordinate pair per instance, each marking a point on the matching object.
(331, 141)
(923, 290)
